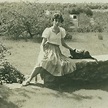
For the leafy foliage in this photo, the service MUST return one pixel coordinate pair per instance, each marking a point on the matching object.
(28, 20)
(8, 73)
(78, 10)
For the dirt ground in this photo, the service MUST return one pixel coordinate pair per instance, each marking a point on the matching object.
(24, 56)
(32, 96)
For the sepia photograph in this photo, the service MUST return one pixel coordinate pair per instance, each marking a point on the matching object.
(53, 54)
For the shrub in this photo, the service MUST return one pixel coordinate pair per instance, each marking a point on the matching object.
(8, 73)
(88, 12)
(68, 36)
(28, 20)
(24, 17)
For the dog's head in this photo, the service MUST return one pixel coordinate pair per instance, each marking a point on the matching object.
(76, 54)
(79, 54)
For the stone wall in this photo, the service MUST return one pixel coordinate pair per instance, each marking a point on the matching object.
(86, 70)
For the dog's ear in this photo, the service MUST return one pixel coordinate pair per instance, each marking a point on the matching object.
(72, 53)
(87, 54)
(71, 57)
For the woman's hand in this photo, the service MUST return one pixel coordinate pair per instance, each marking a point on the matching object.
(45, 46)
(72, 49)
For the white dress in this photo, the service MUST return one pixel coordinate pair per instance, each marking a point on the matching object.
(51, 59)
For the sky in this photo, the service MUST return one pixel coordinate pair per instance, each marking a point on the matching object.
(60, 1)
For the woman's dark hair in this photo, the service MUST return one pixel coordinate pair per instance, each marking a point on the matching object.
(58, 16)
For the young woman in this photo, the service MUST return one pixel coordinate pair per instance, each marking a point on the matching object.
(50, 57)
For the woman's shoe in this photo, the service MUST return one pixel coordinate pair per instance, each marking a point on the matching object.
(26, 83)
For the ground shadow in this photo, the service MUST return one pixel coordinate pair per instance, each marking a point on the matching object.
(5, 104)
(73, 85)
(83, 78)
(4, 101)
(80, 84)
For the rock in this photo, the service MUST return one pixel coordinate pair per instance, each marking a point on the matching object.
(86, 70)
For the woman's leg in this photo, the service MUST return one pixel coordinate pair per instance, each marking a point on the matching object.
(34, 73)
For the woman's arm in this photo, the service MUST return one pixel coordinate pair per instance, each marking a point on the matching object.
(65, 45)
(44, 42)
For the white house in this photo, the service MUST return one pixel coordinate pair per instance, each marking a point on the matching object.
(74, 20)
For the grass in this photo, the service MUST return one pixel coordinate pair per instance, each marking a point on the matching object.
(24, 54)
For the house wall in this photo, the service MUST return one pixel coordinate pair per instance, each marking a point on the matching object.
(74, 20)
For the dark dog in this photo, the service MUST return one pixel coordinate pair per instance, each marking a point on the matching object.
(81, 54)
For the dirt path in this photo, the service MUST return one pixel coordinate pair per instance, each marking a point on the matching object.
(34, 96)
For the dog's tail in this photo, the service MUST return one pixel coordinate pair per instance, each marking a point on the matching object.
(94, 59)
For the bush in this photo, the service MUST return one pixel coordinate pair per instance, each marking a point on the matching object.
(88, 12)
(28, 20)
(68, 36)
(8, 73)
(79, 10)
(24, 17)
